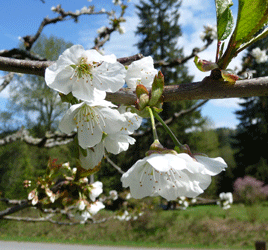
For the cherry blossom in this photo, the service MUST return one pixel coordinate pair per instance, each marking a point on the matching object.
(259, 55)
(92, 119)
(141, 72)
(114, 143)
(171, 175)
(85, 73)
(96, 190)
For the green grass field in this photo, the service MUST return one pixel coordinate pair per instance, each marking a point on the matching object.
(197, 227)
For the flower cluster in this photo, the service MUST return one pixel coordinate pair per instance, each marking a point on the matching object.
(259, 55)
(83, 77)
(209, 33)
(226, 199)
(87, 75)
(84, 210)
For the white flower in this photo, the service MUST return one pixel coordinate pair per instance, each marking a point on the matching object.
(84, 9)
(74, 170)
(210, 33)
(96, 190)
(128, 196)
(259, 55)
(114, 143)
(95, 207)
(226, 200)
(33, 196)
(141, 72)
(53, 8)
(113, 194)
(81, 205)
(117, 2)
(125, 216)
(50, 194)
(118, 142)
(91, 120)
(83, 213)
(82, 216)
(85, 73)
(171, 175)
(102, 10)
(101, 29)
(227, 196)
(122, 30)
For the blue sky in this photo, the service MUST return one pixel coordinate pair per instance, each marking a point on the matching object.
(19, 19)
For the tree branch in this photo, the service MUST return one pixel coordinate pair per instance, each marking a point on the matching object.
(177, 62)
(49, 219)
(21, 54)
(29, 40)
(50, 140)
(206, 89)
(14, 209)
(7, 79)
(38, 68)
(113, 164)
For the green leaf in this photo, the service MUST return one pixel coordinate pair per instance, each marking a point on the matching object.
(157, 89)
(252, 17)
(204, 65)
(229, 76)
(225, 20)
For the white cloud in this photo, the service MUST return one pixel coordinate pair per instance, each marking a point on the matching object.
(227, 103)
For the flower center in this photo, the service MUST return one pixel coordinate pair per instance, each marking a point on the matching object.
(83, 69)
(87, 118)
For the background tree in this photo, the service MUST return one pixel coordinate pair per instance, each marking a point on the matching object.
(251, 140)
(32, 99)
(159, 31)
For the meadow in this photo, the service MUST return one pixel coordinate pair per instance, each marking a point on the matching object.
(206, 226)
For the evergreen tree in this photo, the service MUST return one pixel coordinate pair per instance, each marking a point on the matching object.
(251, 140)
(159, 31)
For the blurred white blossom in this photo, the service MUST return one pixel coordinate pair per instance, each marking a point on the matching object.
(259, 55)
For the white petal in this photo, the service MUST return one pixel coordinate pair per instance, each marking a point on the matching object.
(95, 207)
(93, 158)
(96, 190)
(213, 166)
(116, 143)
(111, 120)
(141, 72)
(133, 122)
(67, 123)
(139, 179)
(85, 91)
(57, 76)
(109, 77)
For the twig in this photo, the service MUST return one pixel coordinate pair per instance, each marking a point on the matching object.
(177, 62)
(38, 68)
(114, 165)
(21, 54)
(7, 79)
(29, 40)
